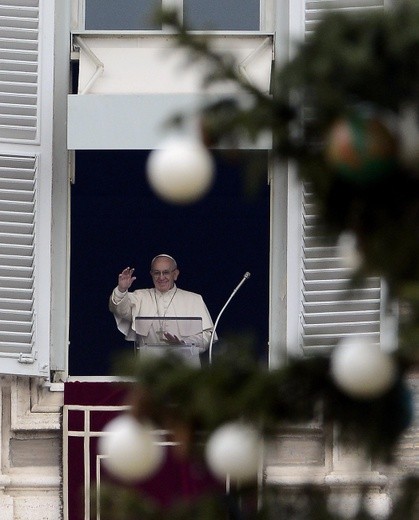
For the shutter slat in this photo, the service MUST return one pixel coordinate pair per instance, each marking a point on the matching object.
(18, 195)
(26, 8)
(18, 87)
(15, 76)
(22, 231)
(19, 32)
(16, 239)
(335, 316)
(19, 206)
(322, 263)
(325, 275)
(15, 66)
(18, 45)
(13, 261)
(323, 344)
(15, 98)
(25, 110)
(341, 284)
(335, 306)
(14, 292)
(15, 342)
(21, 22)
(16, 282)
(16, 178)
(16, 250)
(14, 349)
(23, 327)
(14, 305)
(15, 217)
(26, 56)
(15, 336)
(25, 272)
(10, 120)
(339, 295)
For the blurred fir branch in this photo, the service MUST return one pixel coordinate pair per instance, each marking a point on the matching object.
(312, 502)
(192, 403)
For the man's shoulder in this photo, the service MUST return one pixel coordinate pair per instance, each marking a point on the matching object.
(187, 294)
(141, 292)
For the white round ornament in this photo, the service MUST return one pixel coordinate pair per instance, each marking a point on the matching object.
(348, 252)
(130, 448)
(361, 369)
(181, 171)
(234, 450)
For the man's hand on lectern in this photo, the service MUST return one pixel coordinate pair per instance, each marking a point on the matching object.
(172, 339)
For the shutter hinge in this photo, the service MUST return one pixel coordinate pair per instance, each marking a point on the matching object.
(27, 359)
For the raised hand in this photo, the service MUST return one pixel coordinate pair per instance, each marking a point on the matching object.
(125, 279)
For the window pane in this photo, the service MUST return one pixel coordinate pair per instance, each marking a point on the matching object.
(121, 14)
(222, 15)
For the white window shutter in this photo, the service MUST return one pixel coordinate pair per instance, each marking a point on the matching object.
(330, 307)
(24, 210)
(17, 260)
(19, 23)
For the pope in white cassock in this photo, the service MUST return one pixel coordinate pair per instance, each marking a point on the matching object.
(146, 315)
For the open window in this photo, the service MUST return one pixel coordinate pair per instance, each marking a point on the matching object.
(129, 84)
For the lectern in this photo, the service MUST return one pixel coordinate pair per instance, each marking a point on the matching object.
(153, 333)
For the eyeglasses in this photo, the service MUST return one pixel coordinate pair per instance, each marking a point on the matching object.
(156, 274)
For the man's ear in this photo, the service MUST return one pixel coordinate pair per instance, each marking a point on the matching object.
(176, 274)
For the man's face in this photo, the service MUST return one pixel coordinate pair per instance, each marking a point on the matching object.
(163, 274)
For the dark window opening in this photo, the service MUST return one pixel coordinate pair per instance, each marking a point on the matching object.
(118, 221)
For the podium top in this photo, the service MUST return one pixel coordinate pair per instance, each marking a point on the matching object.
(152, 329)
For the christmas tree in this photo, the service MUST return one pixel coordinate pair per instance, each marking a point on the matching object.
(346, 110)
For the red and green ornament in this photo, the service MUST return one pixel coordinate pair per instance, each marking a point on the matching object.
(361, 149)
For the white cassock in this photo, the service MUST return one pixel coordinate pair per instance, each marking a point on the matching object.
(150, 302)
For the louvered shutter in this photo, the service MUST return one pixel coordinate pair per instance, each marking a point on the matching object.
(17, 251)
(19, 22)
(24, 208)
(330, 308)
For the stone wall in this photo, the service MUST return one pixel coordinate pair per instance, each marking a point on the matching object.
(30, 475)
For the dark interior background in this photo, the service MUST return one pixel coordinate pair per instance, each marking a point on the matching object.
(118, 221)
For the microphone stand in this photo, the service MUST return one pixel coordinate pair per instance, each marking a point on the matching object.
(245, 277)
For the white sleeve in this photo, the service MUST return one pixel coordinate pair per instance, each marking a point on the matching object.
(117, 296)
(121, 304)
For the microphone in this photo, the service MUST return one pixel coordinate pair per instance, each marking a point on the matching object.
(246, 276)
